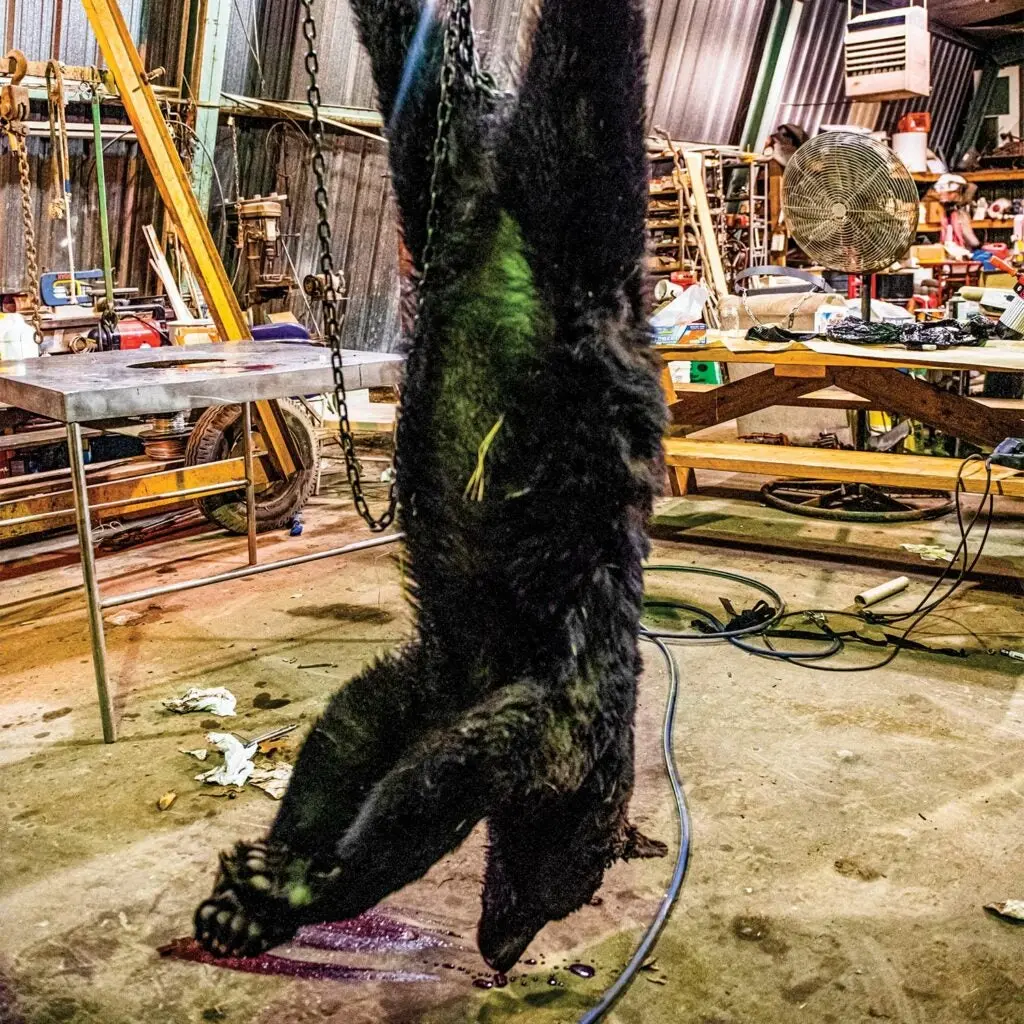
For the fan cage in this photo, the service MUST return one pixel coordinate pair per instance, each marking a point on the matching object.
(850, 203)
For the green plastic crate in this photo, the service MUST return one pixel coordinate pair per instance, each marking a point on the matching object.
(705, 373)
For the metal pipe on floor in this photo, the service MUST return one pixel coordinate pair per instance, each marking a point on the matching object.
(253, 570)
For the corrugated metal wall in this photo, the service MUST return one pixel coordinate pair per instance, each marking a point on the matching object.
(276, 157)
(362, 215)
(703, 55)
(155, 26)
(132, 201)
(952, 88)
(814, 91)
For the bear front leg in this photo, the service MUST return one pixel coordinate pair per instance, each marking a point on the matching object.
(262, 887)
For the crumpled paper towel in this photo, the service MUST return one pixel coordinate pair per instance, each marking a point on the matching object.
(1009, 910)
(272, 779)
(216, 701)
(929, 552)
(237, 766)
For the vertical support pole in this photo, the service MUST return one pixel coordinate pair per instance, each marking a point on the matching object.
(861, 431)
(752, 169)
(976, 112)
(250, 483)
(101, 187)
(12, 13)
(92, 588)
(211, 54)
(867, 286)
(58, 29)
(182, 76)
(773, 69)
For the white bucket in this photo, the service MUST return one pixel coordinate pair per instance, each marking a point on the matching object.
(912, 149)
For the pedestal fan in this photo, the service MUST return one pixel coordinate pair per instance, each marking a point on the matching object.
(852, 206)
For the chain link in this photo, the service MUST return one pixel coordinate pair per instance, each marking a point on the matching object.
(31, 253)
(332, 326)
(458, 57)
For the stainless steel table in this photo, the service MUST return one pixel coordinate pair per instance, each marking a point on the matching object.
(109, 385)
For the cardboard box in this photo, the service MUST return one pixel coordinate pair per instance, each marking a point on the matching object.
(929, 255)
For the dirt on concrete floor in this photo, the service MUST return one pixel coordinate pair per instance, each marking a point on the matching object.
(847, 828)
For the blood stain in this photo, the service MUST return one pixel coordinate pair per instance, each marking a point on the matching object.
(582, 970)
(372, 932)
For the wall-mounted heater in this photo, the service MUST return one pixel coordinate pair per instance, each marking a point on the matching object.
(888, 53)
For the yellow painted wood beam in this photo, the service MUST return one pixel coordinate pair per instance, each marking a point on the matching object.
(166, 167)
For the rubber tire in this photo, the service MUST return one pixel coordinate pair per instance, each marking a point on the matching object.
(217, 435)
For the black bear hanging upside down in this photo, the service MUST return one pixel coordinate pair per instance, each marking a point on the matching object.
(528, 454)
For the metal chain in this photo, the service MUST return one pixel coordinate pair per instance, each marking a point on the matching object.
(234, 157)
(458, 56)
(332, 326)
(31, 254)
(439, 155)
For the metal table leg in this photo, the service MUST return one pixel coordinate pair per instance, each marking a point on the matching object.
(250, 482)
(92, 589)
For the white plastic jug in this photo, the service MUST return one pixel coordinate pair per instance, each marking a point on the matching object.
(17, 339)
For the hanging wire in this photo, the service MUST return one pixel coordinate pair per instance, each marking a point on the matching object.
(254, 50)
(216, 177)
(317, 329)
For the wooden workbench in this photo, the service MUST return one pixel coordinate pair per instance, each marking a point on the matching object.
(836, 376)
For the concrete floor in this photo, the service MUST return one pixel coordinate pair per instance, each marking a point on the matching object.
(848, 828)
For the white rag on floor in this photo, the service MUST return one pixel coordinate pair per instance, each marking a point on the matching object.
(237, 766)
(215, 701)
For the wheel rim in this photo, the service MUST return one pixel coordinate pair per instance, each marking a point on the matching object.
(863, 503)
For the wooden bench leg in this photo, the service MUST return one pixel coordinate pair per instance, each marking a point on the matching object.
(682, 481)
(668, 385)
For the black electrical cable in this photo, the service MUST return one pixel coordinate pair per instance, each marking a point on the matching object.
(654, 929)
(721, 632)
(658, 637)
(961, 550)
(808, 659)
(918, 614)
